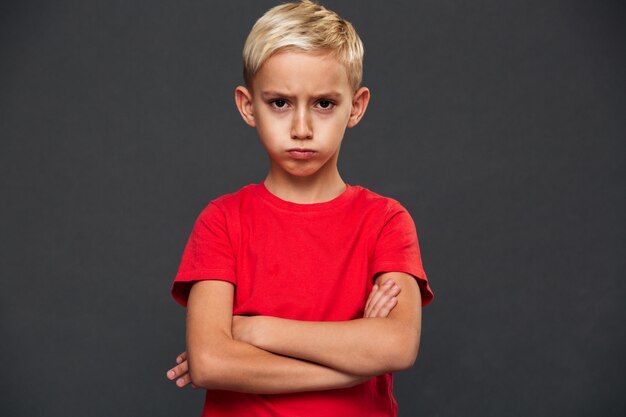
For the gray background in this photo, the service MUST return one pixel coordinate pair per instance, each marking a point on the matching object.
(499, 124)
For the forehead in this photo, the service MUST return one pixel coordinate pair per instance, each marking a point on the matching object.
(298, 72)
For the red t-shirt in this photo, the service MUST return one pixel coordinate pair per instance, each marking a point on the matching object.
(304, 262)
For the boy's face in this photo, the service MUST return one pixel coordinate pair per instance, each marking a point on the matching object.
(301, 104)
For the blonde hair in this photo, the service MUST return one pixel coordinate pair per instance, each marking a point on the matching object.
(303, 26)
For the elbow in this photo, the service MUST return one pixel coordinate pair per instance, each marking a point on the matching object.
(402, 361)
(199, 372)
(209, 363)
(206, 371)
(198, 377)
(403, 351)
(405, 361)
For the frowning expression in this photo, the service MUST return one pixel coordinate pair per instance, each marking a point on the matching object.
(301, 104)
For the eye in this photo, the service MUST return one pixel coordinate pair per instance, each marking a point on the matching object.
(278, 103)
(325, 104)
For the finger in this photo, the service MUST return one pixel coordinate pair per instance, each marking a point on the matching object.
(387, 307)
(182, 357)
(390, 291)
(183, 381)
(379, 294)
(369, 298)
(383, 308)
(178, 370)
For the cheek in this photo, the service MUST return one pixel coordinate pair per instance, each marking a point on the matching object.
(264, 122)
(332, 128)
(270, 121)
(340, 121)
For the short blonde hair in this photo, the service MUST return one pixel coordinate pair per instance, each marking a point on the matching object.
(303, 26)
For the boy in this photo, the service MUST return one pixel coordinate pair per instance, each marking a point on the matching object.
(276, 276)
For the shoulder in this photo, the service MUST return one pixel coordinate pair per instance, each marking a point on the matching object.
(230, 203)
(369, 200)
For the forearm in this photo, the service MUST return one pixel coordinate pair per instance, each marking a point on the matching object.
(237, 366)
(369, 347)
(218, 361)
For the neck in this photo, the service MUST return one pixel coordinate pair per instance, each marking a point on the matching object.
(305, 190)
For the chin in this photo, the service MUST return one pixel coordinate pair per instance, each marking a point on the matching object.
(302, 172)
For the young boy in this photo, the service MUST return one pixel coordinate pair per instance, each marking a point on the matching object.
(303, 293)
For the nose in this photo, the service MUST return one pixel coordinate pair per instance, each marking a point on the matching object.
(301, 125)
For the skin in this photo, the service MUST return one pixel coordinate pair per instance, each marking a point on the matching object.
(299, 100)
(302, 100)
(381, 300)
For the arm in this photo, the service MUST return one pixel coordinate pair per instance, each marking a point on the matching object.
(361, 347)
(379, 303)
(217, 361)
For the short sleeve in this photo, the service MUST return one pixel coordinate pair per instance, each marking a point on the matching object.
(207, 255)
(397, 249)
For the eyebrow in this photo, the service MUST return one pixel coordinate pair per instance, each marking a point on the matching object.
(272, 94)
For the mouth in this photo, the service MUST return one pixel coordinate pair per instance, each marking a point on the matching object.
(300, 150)
(301, 153)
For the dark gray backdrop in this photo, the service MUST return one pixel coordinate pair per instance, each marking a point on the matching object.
(499, 125)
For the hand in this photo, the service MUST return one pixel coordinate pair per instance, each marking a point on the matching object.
(382, 300)
(181, 372)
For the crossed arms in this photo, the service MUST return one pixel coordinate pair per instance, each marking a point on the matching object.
(269, 355)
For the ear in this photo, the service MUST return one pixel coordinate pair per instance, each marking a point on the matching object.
(359, 104)
(243, 100)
